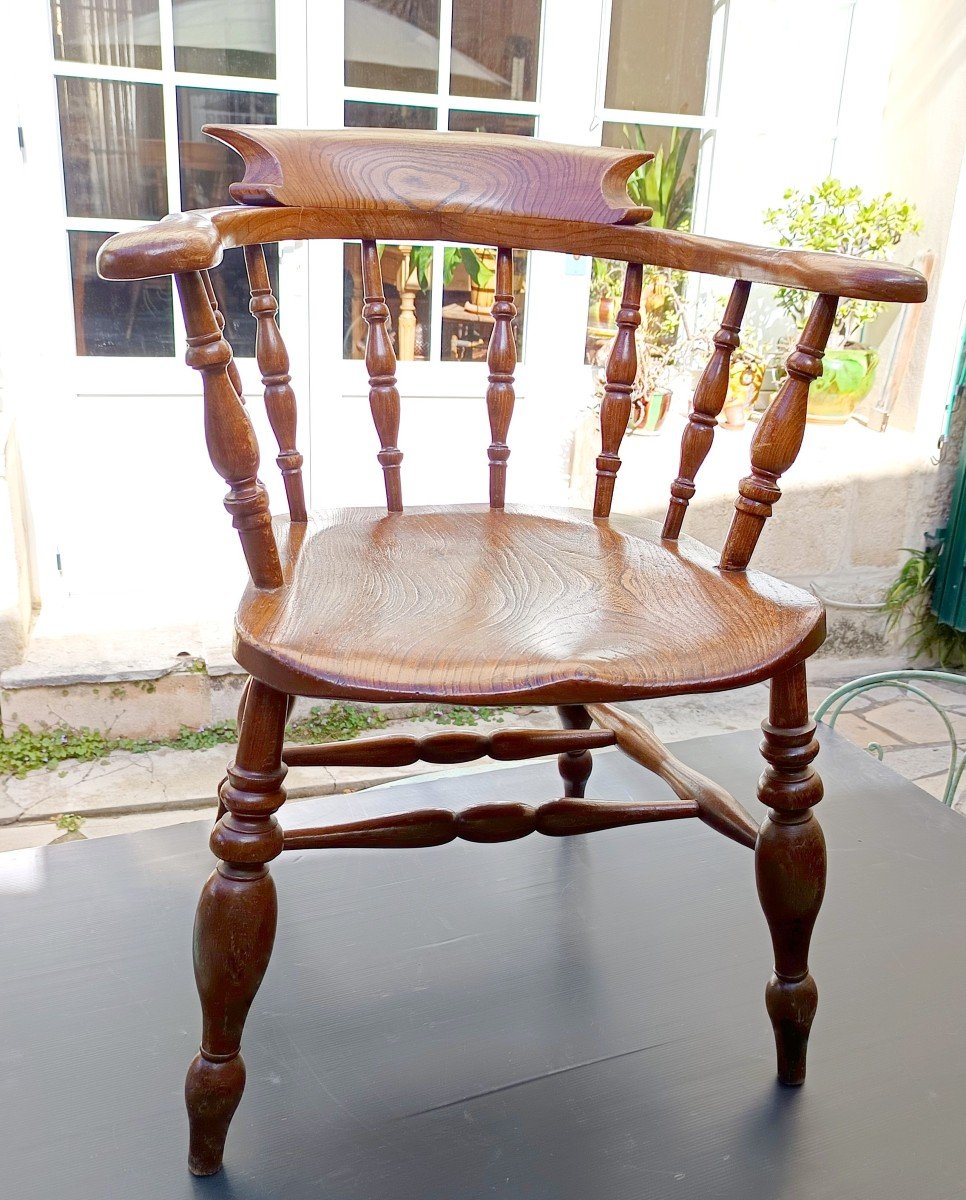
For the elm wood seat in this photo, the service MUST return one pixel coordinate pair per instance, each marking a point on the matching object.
(497, 603)
(477, 606)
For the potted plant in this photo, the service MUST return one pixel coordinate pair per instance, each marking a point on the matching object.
(651, 394)
(479, 264)
(840, 219)
(606, 283)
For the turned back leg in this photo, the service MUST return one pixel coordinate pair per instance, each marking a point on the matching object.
(790, 866)
(574, 765)
(235, 923)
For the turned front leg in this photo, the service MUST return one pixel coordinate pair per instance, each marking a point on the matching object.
(790, 867)
(235, 923)
(574, 765)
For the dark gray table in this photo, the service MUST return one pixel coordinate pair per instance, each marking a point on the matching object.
(576, 1020)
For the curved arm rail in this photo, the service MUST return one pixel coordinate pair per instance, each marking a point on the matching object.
(195, 241)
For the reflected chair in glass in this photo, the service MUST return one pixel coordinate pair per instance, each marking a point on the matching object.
(490, 603)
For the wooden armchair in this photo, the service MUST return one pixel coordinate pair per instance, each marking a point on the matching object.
(493, 604)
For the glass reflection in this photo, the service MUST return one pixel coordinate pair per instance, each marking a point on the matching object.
(407, 273)
(468, 292)
(120, 320)
(224, 37)
(483, 122)
(230, 281)
(392, 44)
(495, 48)
(116, 33)
(112, 135)
(658, 55)
(363, 115)
(207, 166)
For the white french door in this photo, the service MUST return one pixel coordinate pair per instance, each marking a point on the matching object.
(110, 96)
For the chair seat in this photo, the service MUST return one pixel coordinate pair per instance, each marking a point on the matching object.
(468, 605)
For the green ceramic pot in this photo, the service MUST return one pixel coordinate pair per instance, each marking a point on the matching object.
(846, 379)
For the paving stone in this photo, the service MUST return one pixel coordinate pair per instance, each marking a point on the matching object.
(918, 762)
(26, 836)
(98, 827)
(935, 785)
(679, 717)
(858, 730)
(914, 721)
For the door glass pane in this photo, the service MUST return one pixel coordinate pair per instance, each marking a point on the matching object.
(495, 48)
(113, 141)
(117, 319)
(666, 184)
(117, 33)
(392, 44)
(468, 287)
(230, 281)
(658, 57)
(360, 115)
(225, 37)
(484, 122)
(207, 166)
(407, 274)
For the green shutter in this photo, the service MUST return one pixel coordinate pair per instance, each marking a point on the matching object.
(949, 592)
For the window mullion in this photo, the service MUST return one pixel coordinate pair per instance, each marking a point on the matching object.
(445, 60)
(171, 155)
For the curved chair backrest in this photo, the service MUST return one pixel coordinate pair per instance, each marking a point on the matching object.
(471, 189)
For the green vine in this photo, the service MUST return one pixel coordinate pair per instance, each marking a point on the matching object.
(910, 595)
(29, 750)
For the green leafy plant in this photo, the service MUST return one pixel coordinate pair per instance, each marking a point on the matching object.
(473, 261)
(841, 220)
(462, 714)
(68, 822)
(606, 278)
(910, 596)
(666, 183)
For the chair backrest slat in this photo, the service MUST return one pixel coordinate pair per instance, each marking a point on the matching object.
(709, 398)
(615, 408)
(273, 364)
(381, 364)
(778, 438)
(502, 360)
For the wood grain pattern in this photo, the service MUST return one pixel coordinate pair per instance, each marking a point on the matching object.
(486, 823)
(194, 241)
(232, 446)
(575, 765)
(709, 398)
(235, 924)
(716, 807)
(506, 745)
(381, 365)
(273, 363)
(778, 438)
(385, 170)
(525, 605)
(615, 407)
(501, 358)
(790, 865)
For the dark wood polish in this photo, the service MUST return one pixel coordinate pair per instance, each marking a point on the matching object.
(489, 603)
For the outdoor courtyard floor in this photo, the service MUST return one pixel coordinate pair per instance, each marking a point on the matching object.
(127, 792)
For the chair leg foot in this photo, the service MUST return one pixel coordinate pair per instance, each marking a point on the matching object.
(574, 766)
(790, 867)
(235, 925)
(212, 1091)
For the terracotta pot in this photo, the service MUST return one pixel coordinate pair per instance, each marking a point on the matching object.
(744, 384)
(647, 414)
(606, 310)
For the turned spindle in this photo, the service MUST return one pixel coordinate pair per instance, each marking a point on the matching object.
(709, 398)
(615, 408)
(273, 364)
(232, 446)
(502, 359)
(381, 364)
(778, 438)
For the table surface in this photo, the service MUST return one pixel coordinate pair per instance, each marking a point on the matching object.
(541, 1020)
